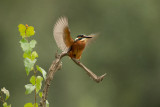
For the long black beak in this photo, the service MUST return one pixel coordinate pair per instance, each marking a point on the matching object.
(87, 37)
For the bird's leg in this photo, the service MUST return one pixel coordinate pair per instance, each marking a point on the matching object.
(78, 61)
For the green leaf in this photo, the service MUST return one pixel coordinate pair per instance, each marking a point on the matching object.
(31, 105)
(35, 105)
(23, 40)
(40, 94)
(32, 43)
(25, 45)
(5, 104)
(29, 88)
(28, 63)
(27, 55)
(30, 31)
(34, 55)
(26, 31)
(9, 105)
(47, 103)
(6, 92)
(39, 80)
(42, 71)
(22, 29)
(28, 105)
(33, 80)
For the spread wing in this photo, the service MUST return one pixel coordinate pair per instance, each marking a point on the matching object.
(62, 34)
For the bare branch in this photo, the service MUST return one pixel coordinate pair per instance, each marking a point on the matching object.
(56, 65)
(89, 72)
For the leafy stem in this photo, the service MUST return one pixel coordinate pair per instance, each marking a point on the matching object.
(5, 92)
(30, 59)
(35, 88)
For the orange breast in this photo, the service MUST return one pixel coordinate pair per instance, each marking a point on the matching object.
(77, 49)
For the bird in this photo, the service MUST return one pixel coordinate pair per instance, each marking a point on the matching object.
(62, 36)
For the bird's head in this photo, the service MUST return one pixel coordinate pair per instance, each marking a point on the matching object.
(82, 37)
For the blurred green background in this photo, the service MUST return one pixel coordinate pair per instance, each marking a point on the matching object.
(128, 50)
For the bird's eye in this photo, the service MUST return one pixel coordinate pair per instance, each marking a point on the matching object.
(80, 36)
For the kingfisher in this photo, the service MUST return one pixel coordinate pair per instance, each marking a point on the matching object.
(74, 47)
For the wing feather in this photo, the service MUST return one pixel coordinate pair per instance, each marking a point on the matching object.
(62, 34)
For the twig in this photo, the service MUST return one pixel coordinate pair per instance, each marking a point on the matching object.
(89, 72)
(2, 99)
(56, 65)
